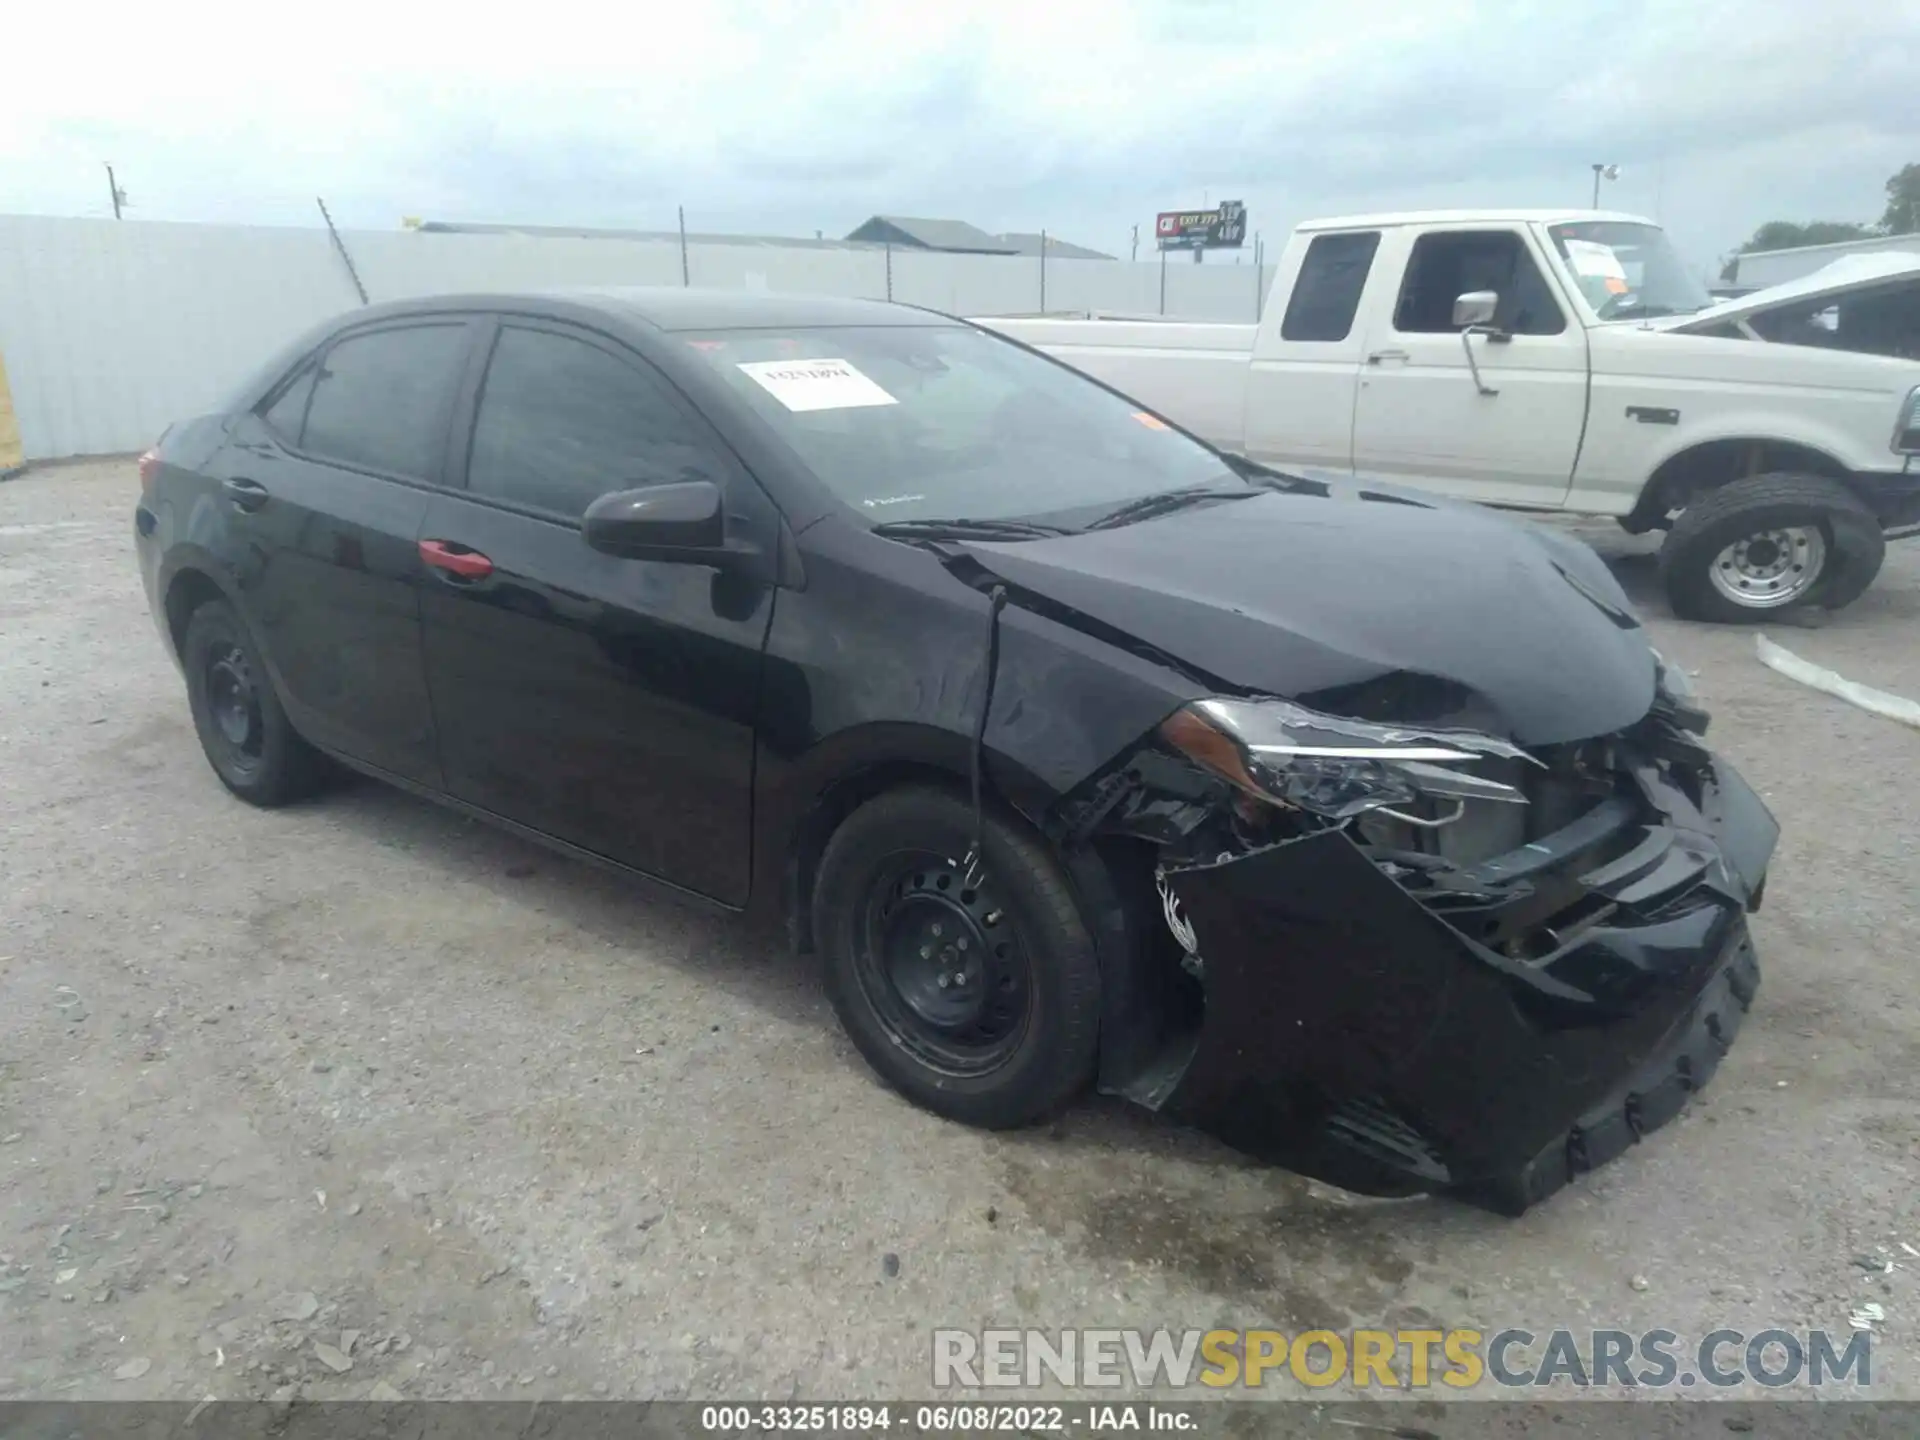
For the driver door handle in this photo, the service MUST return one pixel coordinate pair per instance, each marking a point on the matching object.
(455, 562)
(1378, 355)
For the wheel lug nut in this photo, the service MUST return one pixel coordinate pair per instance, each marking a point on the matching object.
(936, 928)
(926, 952)
(962, 942)
(944, 982)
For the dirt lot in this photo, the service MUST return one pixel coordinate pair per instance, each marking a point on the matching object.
(366, 1066)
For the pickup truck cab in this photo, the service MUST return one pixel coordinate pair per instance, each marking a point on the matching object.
(1566, 361)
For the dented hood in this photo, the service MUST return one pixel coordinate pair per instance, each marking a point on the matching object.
(1291, 594)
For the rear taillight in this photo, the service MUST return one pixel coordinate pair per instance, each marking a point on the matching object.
(149, 471)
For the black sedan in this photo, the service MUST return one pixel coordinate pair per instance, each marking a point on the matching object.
(1362, 829)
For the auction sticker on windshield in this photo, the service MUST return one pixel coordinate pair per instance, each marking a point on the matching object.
(816, 384)
(1598, 262)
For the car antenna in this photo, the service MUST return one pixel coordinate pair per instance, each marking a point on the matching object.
(996, 602)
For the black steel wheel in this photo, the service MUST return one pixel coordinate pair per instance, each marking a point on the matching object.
(247, 737)
(941, 966)
(233, 704)
(977, 994)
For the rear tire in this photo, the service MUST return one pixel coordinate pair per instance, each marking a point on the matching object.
(1762, 547)
(247, 737)
(980, 1003)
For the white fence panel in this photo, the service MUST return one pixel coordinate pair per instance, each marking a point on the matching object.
(110, 330)
(399, 265)
(967, 284)
(1215, 292)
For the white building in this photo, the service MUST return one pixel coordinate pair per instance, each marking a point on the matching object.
(1774, 267)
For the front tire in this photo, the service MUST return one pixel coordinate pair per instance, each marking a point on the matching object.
(247, 737)
(1773, 543)
(977, 997)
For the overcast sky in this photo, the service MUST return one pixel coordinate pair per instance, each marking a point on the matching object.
(1079, 116)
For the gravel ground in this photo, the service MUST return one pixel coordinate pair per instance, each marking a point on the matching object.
(364, 1093)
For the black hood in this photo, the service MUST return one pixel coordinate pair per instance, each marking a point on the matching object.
(1293, 594)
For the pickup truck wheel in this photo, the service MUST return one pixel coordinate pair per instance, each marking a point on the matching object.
(977, 996)
(1769, 544)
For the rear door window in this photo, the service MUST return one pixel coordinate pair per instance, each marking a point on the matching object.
(1448, 264)
(381, 398)
(562, 422)
(1327, 295)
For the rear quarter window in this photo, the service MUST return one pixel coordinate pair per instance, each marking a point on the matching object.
(1326, 296)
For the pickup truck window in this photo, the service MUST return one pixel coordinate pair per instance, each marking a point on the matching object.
(1327, 294)
(1447, 264)
(1628, 271)
(908, 422)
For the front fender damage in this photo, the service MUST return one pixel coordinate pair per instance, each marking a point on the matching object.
(1395, 1020)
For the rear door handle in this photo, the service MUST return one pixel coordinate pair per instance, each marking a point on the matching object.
(455, 563)
(1377, 356)
(246, 494)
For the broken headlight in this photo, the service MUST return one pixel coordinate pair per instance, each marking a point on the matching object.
(1672, 679)
(1682, 704)
(1331, 766)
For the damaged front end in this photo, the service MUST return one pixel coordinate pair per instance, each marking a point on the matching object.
(1416, 958)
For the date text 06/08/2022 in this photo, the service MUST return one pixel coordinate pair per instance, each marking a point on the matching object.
(965, 1418)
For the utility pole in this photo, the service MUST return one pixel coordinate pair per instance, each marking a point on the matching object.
(1602, 171)
(686, 277)
(1134, 253)
(1043, 272)
(119, 195)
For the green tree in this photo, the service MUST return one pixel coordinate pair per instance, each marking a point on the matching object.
(1903, 202)
(1902, 218)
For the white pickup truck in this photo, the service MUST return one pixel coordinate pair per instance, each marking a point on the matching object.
(1551, 360)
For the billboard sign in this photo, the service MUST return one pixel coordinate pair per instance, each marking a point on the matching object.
(1224, 227)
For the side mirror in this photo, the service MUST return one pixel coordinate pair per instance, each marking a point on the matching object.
(1473, 314)
(684, 520)
(1476, 307)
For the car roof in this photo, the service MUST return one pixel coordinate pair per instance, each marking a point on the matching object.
(676, 307)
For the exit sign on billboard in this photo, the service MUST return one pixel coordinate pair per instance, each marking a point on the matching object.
(1223, 227)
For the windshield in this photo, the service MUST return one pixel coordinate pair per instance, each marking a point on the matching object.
(945, 422)
(1628, 271)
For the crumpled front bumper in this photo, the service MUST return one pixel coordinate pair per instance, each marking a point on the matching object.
(1352, 1034)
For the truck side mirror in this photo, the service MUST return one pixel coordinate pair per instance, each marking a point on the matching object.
(1476, 307)
(1473, 315)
